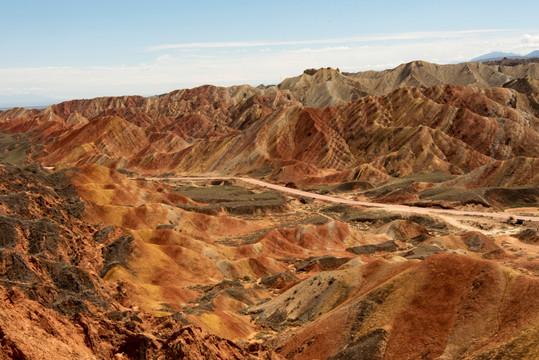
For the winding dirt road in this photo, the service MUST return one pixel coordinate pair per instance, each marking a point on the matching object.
(389, 207)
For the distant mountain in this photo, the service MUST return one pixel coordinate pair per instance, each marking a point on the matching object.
(330, 87)
(498, 55)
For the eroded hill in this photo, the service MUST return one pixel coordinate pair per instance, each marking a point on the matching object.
(452, 129)
(138, 240)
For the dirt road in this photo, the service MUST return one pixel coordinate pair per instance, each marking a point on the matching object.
(389, 207)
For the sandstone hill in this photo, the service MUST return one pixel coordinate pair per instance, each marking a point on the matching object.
(107, 250)
(324, 87)
(241, 130)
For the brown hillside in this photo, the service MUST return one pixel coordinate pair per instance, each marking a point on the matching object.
(452, 129)
(377, 215)
(55, 303)
(323, 87)
(446, 306)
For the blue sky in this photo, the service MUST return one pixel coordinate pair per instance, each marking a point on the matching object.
(76, 49)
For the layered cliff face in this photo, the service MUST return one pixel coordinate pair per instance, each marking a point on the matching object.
(109, 251)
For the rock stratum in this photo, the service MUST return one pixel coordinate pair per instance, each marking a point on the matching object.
(124, 233)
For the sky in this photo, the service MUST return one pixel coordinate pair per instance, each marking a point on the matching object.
(82, 49)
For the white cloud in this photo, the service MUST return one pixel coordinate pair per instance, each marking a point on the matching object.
(319, 50)
(530, 39)
(529, 42)
(356, 39)
(164, 59)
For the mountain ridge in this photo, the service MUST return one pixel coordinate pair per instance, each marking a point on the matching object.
(498, 55)
(239, 130)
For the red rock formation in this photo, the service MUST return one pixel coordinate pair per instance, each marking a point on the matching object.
(447, 305)
(133, 269)
(55, 302)
(452, 129)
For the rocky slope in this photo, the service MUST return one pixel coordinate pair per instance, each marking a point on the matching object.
(98, 262)
(324, 87)
(131, 268)
(452, 129)
(447, 306)
(55, 303)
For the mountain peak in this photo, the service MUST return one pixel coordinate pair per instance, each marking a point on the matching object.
(322, 70)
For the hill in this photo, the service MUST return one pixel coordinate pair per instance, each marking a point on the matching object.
(136, 227)
(245, 130)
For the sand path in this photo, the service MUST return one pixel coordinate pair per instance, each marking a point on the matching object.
(389, 207)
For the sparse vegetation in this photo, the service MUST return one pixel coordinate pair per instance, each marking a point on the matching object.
(461, 196)
(225, 193)
(14, 148)
(232, 199)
